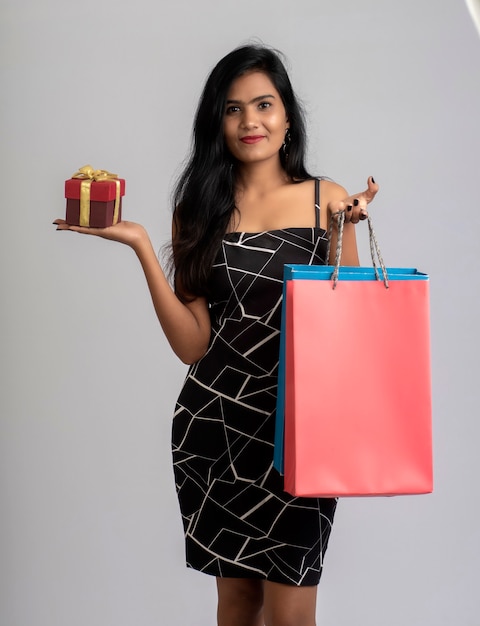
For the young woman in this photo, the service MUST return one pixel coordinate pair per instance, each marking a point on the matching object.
(244, 206)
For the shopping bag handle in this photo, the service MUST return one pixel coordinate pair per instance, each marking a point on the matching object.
(377, 259)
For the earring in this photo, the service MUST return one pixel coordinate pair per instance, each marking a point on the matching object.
(286, 143)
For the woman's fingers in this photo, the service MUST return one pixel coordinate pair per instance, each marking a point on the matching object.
(355, 206)
(355, 209)
(372, 189)
(128, 233)
(62, 225)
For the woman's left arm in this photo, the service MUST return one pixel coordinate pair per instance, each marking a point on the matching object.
(355, 208)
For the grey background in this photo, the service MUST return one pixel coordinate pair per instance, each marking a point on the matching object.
(90, 533)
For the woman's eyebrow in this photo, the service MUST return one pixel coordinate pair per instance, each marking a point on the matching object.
(257, 99)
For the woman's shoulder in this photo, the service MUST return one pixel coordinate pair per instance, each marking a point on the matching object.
(327, 185)
(330, 191)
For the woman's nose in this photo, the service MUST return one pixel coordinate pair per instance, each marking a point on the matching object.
(249, 119)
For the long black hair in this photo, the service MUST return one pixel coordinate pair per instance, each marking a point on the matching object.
(204, 196)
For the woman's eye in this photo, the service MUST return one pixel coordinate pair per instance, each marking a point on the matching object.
(232, 109)
(264, 105)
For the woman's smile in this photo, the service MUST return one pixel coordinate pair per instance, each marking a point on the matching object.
(252, 138)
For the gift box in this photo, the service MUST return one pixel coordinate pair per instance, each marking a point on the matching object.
(94, 198)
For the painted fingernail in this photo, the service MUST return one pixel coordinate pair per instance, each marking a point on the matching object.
(355, 202)
(373, 180)
(349, 207)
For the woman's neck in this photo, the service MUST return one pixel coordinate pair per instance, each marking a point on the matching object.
(261, 177)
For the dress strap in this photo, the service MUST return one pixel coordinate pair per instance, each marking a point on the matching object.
(317, 203)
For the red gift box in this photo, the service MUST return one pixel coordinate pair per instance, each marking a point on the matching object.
(94, 198)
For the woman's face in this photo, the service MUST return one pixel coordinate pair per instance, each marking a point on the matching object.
(255, 119)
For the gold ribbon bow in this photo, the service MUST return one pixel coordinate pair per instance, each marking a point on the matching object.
(88, 175)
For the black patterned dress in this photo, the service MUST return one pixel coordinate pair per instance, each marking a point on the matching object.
(238, 521)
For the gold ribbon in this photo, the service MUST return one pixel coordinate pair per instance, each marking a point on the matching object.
(88, 175)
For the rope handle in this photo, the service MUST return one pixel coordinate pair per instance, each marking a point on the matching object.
(374, 248)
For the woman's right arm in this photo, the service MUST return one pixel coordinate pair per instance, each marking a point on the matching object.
(186, 325)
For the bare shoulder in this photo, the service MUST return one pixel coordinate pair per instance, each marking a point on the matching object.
(304, 190)
(331, 192)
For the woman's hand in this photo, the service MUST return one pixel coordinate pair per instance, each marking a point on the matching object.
(355, 206)
(128, 233)
(355, 210)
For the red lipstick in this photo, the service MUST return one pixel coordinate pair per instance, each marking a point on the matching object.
(251, 138)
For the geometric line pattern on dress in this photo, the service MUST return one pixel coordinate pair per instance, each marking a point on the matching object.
(238, 520)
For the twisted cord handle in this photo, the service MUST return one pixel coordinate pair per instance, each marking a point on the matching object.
(374, 248)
